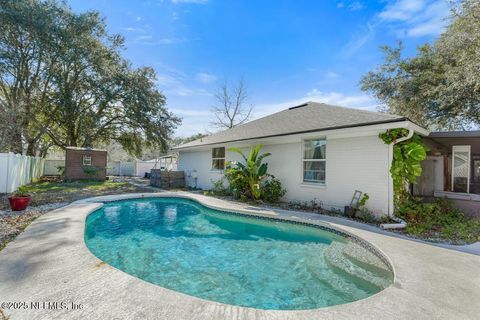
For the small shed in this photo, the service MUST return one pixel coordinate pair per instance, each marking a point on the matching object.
(85, 164)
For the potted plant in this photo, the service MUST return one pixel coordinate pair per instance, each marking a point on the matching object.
(20, 199)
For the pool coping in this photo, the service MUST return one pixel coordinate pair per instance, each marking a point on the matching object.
(430, 282)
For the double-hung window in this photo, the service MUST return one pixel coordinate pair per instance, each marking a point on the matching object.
(314, 161)
(218, 158)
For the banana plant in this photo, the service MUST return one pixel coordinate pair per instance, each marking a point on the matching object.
(253, 169)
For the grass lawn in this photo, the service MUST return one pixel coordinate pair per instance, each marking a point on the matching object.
(51, 194)
(54, 191)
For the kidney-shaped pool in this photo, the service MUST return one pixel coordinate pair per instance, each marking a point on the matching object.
(231, 258)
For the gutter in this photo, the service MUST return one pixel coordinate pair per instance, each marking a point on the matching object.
(400, 224)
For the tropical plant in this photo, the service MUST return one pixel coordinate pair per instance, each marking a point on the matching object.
(407, 158)
(244, 178)
(21, 192)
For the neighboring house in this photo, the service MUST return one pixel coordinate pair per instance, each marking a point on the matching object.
(319, 152)
(85, 164)
(452, 169)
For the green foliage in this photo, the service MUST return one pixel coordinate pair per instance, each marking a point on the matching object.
(250, 180)
(271, 189)
(248, 174)
(438, 220)
(61, 170)
(64, 82)
(90, 171)
(219, 188)
(363, 201)
(21, 192)
(362, 212)
(406, 163)
(439, 86)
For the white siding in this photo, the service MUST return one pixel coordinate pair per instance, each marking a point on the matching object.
(359, 163)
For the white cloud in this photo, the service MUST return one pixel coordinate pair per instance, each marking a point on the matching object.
(193, 121)
(359, 40)
(351, 6)
(404, 18)
(177, 87)
(151, 41)
(331, 75)
(144, 37)
(416, 18)
(402, 9)
(174, 82)
(205, 78)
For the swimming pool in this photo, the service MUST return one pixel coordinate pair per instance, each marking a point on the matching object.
(231, 258)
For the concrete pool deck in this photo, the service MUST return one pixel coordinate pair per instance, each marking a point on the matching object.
(50, 263)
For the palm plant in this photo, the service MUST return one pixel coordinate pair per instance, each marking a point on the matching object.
(253, 170)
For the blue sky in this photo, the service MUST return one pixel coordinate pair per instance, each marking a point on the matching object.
(288, 52)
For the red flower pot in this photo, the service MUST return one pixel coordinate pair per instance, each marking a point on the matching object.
(19, 203)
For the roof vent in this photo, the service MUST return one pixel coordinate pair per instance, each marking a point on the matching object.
(300, 106)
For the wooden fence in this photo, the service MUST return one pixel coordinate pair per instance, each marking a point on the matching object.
(167, 179)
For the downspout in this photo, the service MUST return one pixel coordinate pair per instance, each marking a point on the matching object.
(400, 223)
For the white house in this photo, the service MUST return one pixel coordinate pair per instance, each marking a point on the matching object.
(319, 151)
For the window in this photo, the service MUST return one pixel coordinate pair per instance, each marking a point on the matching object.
(314, 159)
(461, 169)
(218, 158)
(87, 160)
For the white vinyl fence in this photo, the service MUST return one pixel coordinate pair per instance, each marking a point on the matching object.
(52, 167)
(17, 170)
(119, 168)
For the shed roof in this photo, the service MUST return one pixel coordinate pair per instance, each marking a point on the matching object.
(84, 149)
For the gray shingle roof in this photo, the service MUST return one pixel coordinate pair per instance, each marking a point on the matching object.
(455, 134)
(309, 117)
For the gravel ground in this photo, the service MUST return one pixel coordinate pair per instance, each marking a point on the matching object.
(12, 223)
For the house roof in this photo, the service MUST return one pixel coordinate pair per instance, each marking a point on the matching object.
(308, 117)
(455, 134)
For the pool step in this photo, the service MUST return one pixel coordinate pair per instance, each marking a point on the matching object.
(339, 262)
(365, 259)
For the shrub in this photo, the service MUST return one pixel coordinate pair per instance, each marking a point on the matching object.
(271, 189)
(237, 181)
(438, 220)
(219, 188)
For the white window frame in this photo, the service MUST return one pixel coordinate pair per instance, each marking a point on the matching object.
(313, 182)
(459, 149)
(89, 158)
(223, 158)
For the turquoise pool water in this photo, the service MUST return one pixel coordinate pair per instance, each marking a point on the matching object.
(184, 246)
